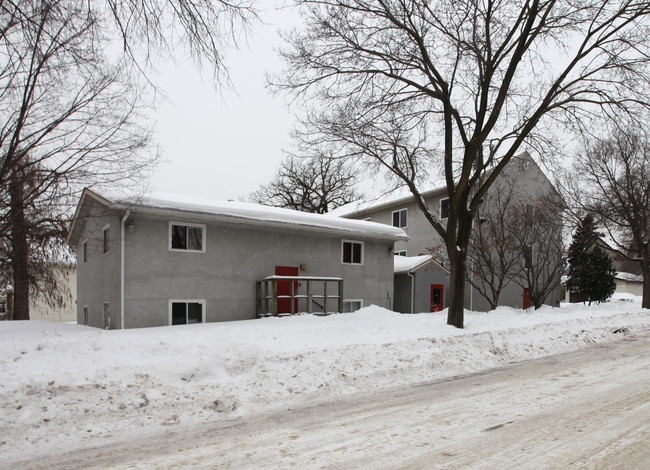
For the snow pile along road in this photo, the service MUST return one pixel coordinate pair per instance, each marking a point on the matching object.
(75, 386)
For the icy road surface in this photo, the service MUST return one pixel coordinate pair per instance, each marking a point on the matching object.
(585, 409)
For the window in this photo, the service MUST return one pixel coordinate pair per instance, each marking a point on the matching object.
(444, 208)
(400, 218)
(187, 237)
(107, 315)
(85, 318)
(352, 305)
(352, 252)
(84, 251)
(400, 253)
(185, 312)
(106, 238)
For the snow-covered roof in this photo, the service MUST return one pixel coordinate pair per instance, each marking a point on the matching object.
(247, 213)
(405, 264)
(629, 277)
(385, 200)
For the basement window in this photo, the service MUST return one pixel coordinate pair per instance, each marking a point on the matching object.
(185, 312)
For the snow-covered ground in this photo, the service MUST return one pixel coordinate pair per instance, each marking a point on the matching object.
(70, 386)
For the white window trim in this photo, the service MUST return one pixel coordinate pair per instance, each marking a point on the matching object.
(84, 250)
(392, 215)
(353, 300)
(106, 249)
(186, 301)
(440, 208)
(186, 224)
(106, 327)
(399, 253)
(363, 252)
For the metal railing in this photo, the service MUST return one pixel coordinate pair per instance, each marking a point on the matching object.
(304, 291)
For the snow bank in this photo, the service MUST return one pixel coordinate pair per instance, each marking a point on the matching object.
(66, 384)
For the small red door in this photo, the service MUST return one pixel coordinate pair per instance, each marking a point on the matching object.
(284, 288)
(437, 297)
(527, 302)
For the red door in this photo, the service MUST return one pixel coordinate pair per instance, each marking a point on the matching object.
(284, 288)
(527, 302)
(437, 303)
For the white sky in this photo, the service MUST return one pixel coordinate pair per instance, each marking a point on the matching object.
(222, 144)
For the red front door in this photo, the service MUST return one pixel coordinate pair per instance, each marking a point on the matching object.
(284, 288)
(437, 303)
(527, 302)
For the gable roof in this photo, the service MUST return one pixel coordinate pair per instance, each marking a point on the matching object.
(359, 208)
(238, 213)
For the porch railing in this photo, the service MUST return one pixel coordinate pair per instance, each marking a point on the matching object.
(303, 293)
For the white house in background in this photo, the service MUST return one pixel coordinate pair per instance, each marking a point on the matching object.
(170, 260)
(66, 311)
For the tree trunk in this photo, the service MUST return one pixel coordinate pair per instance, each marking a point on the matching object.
(645, 303)
(456, 312)
(19, 247)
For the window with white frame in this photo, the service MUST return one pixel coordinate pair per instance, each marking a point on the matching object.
(400, 218)
(185, 312)
(352, 305)
(352, 252)
(444, 208)
(400, 253)
(106, 239)
(186, 237)
(84, 251)
(107, 315)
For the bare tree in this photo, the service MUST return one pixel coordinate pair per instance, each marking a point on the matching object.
(494, 253)
(317, 184)
(613, 183)
(205, 27)
(538, 231)
(68, 118)
(464, 84)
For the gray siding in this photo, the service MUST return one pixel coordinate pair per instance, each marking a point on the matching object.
(529, 184)
(423, 278)
(235, 257)
(98, 279)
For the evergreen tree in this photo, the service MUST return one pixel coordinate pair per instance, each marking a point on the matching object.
(584, 237)
(591, 271)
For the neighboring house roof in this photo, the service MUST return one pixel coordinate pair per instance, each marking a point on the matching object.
(386, 200)
(629, 277)
(239, 213)
(407, 264)
(358, 208)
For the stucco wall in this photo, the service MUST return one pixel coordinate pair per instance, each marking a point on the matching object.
(98, 279)
(235, 257)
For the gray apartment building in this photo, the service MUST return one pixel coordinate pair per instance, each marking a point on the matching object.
(158, 261)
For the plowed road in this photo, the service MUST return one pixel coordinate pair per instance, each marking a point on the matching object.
(588, 409)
